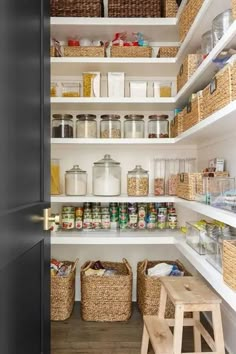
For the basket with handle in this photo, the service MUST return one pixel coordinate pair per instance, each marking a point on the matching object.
(176, 125)
(168, 52)
(169, 8)
(76, 8)
(187, 69)
(134, 8)
(193, 113)
(188, 16)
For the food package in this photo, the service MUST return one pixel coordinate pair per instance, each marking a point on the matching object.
(116, 84)
(91, 84)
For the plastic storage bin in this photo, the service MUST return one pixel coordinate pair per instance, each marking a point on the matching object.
(223, 193)
(197, 238)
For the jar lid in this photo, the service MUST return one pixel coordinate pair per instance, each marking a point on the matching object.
(86, 116)
(62, 116)
(75, 169)
(134, 116)
(138, 169)
(158, 117)
(107, 161)
(110, 117)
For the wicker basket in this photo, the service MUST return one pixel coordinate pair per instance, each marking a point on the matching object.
(107, 298)
(134, 8)
(169, 8)
(76, 8)
(52, 51)
(229, 263)
(168, 52)
(221, 91)
(78, 51)
(187, 69)
(149, 289)
(188, 184)
(233, 2)
(131, 52)
(176, 125)
(188, 16)
(63, 294)
(193, 113)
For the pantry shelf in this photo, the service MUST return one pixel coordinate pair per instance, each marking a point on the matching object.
(79, 141)
(118, 199)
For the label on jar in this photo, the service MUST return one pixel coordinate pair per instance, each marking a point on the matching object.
(68, 221)
(79, 223)
(87, 222)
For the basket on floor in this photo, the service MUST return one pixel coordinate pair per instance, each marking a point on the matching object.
(77, 51)
(187, 69)
(76, 8)
(169, 8)
(107, 298)
(63, 294)
(131, 52)
(149, 289)
(188, 16)
(193, 113)
(134, 8)
(176, 125)
(168, 52)
(229, 263)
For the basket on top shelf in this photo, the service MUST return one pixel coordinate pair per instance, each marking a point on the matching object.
(131, 52)
(107, 298)
(229, 263)
(233, 2)
(134, 8)
(187, 69)
(76, 8)
(169, 8)
(168, 52)
(63, 294)
(149, 288)
(90, 51)
(193, 113)
(188, 16)
(176, 125)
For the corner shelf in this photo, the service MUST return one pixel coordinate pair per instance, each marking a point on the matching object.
(118, 199)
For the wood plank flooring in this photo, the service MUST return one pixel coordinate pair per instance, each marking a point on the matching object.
(77, 336)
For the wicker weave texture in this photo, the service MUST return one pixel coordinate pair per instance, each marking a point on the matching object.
(233, 2)
(84, 51)
(169, 8)
(107, 298)
(131, 52)
(188, 184)
(176, 126)
(134, 8)
(221, 91)
(63, 294)
(168, 52)
(149, 289)
(76, 8)
(193, 113)
(189, 66)
(229, 263)
(188, 16)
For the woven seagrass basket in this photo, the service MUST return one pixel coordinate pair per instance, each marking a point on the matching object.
(188, 16)
(188, 184)
(229, 263)
(131, 52)
(76, 8)
(78, 51)
(134, 8)
(193, 113)
(169, 8)
(187, 69)
(168, 52)
(176, 125)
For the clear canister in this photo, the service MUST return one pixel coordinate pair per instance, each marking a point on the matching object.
(110, 126)
(107, 177)
(62, 126)
(53, 89)
(171, 175)
(86, 126)
(76, 181)
(158, 126)
(55, 177)
(207, 43)
(134, 126)
(221, 24)
(138, 182)
(159, 177)
(71, 89)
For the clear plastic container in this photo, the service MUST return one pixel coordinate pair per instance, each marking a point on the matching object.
(172, 170)
(62, 126)
(138, 182)
(106, 177)
(166, 89)
(71, 89)
(158, 126)
(159, 176)
(76, 181)
(197, 237)
(53, 89)
(110, 126)
(221, 24)
(134, 126)
(86, 126)
(55, 177)
(207, 43)
(222, 193)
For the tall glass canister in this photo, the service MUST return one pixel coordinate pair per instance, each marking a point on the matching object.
(159, 177)
(172, 170)
(55, 177)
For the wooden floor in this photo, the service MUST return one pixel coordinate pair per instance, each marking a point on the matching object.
(76, 336)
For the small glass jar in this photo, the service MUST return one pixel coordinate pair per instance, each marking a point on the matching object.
(162, 89)
(110, 126)
(221, 24)
(62, 126)
(134, 126)
(86, 126)
(158, 126)
(159, 177)
(138, 182)
(55, 177)
(106, 177)
(207, 43)
(53, 89)
(70, 89)
(76, 181)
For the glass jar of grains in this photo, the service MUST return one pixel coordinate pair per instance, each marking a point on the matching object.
(76, 181)
(138, 182)
(62, 126)
(158, 126)
(134, 126)
(110, 126)
(86, 126)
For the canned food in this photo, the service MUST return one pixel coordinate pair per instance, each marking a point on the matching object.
(123, 208)
(105, 210)
(132, 208)
(141, 224)
(114, 212)
(106, 223)
(162, 210)
(68, 209)
(133, 221)
(172, 221)
(151, 221)
(161, 221)
(123, 224)
(68, 221)
(79, 212)
(141, 212)
(87, 222)
(123, 217)
(96, 209)
(79, 223)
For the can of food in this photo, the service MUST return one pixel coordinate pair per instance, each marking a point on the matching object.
(161, 221)
(133, 221)
(68, 210)
(96, 209)
(96, 220)
(141, 212)
(78, 223)
(105, 211)
(123, 217)
(68, 221)
(123, 224)
(162, 210)
(79, 212)
(132, 208)
(87, 221)
(114, 212)
(172, 221)
(106, 222)
(151, 221)
(141, 224)
(123, 208)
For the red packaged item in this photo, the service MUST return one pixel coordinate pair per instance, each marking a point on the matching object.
(73, 42)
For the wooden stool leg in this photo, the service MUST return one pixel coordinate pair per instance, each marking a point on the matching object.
(145, 341)
(197, 334)
(162, 305)
(178, 329)
(218, 330)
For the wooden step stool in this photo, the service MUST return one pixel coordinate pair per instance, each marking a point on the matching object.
(188, 294)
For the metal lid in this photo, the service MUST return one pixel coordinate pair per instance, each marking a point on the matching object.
(75, 169)
(138, 170)
(107, 161)
(134, 116)
(158, 117)
(83, 117)
(62, 116)
(110, 117)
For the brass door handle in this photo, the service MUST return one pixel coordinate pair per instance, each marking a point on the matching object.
(48, 218)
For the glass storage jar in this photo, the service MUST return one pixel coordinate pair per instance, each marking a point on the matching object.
(76, 181)
(106, 177)
(86, 126)
(171, 175)
(55, 176)
(110, 126)
(134, 126)
(53, 89)
(207, 43)
(71, 89)
(221, 24)
(62, 126)
(159, 177)
(138, 182)
(158, 126)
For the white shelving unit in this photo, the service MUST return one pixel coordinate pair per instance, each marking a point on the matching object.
(118, 199)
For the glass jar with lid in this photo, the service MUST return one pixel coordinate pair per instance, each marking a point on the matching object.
(76, 181)
(110, 126)
(62, 126)
(207, 43)
(86, 126)
(158, 126)
(138, 182)
(221, 24)
(134, 126)
(107, 177)
(70, 89)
